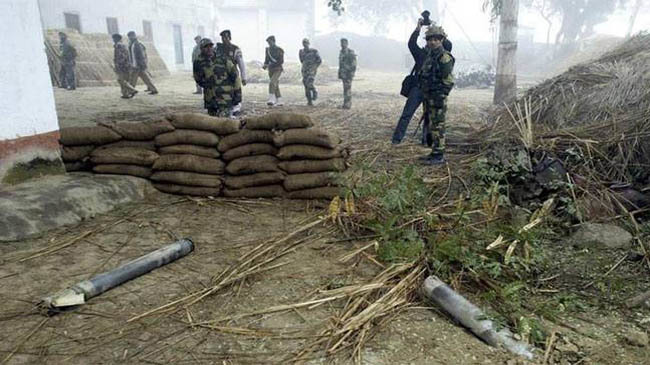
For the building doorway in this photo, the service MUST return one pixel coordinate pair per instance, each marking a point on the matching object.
(178, 44)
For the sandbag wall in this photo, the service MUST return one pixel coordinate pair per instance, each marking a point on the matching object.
(275, 155)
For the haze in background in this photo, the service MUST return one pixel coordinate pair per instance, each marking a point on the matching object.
(460, 17)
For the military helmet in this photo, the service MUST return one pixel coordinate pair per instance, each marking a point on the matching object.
(435, 30)
(205, 42)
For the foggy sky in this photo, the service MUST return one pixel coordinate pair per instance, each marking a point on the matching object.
(476, 23)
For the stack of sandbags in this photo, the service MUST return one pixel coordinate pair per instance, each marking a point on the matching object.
(77, 143)
(252, 166)
(134, 153)
(313, 160)
(131, 161)
(189, 161)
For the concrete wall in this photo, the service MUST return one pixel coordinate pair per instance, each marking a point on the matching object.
(191, 15)
(28, 122)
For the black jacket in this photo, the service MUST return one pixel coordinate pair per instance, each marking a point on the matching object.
(418, 53)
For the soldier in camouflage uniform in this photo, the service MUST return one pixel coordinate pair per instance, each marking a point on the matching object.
(273, 62)
(310, 60)
(347, 68)
(68, 62)
(216, 74)
(122, 68)
(237, 58)
(436, 81)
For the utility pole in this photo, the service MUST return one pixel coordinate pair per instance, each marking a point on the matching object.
(505, 89)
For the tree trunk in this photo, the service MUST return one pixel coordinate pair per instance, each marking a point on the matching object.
(635, 12)
(505, 89)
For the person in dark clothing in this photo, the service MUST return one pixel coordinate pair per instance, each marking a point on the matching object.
(415, 96)
(68, 62)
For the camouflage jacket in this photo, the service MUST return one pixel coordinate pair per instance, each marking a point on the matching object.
(309, 58)
(274, 58)
(235, 55)
(435, 77)
(121, 58)
(68, 53)
(347, 64)
(216, 74)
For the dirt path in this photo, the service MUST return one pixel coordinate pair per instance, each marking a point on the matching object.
(224, 231)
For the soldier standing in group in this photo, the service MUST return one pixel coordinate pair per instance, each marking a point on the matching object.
(237, 58)
(195, 55)
(310, 60)
(68, 62)
(436, 81)
(273, 61)
(347, 68)
(138, 58)
(121, 63)
(216, 74)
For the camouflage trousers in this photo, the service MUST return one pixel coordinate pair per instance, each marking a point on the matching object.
(436, 115)
(237, 93)
(347, 93)
(218, 102)
(125, 86)
(308, 77)
(274, 83)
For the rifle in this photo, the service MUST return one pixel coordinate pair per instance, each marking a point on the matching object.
(424, 122)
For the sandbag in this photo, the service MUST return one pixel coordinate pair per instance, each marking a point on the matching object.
(131, 156)
(123, 169)
(189, 149)
(75, 153)
(269, 191)
(145, 145)
(312, 136)
(202, 122)
(187, 190)
(191, 163)
(252, 165)
(186, 178)
(252, 149)
(279, 121)
(328, 192)
(261, 179)
(79, 136)
(306, 152)
(78, 166)
(187, 136)
(302, 166)
(140, 131)
(309, 180)
(244, 137)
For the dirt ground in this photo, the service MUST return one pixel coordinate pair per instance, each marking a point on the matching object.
(225, 230)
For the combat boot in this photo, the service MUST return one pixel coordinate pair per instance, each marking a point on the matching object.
(278, 101)
(314, 94)
(272, 100)
(309, 98)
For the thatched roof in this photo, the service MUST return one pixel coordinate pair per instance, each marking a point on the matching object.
(595, 117)
(95, 58)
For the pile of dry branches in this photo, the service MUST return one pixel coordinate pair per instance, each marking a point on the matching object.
(594, 119)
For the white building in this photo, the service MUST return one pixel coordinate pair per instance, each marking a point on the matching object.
(173, 24)
(28, 121)
(252, 21)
